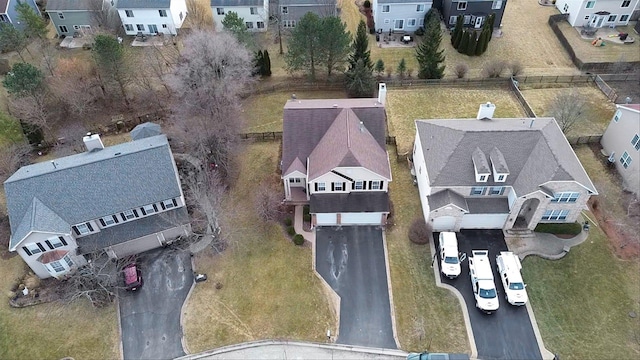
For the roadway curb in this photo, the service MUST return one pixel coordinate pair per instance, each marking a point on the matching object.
(121, 345)
(546, 354)
(185, 348)
(391, 306)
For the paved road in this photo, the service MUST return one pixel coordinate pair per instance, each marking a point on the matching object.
(150, 317)
(507, 333)
(351, 259)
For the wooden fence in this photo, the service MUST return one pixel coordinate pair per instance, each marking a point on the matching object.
(523, 102)
(262, 136)
(589, 139)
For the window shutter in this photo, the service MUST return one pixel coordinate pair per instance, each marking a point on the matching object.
(102, 222)
(484, 190)
(333, 188)
(89, 226)
(27, 250)
(124, 218)
(135, 212)
(175, 203)
(353, 185)
(75, 230)
(115, 218)
(49, 244)
(344, 186)
(316, 186)
(155, 207)
(162, 206)
(143, 212)
(41, 247)
(64, 242)
(381, 184)
(370, 182)
(364, 185)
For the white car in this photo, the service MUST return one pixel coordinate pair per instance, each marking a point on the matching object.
(509, 269)
(484, 289)
(449, 256)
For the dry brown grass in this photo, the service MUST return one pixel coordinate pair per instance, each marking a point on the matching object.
(427, 317)
(611, 52)
(268, 287)
(597, 113)
(405, 106)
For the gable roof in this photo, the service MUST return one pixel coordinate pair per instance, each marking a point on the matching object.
(447, 197)
(55, 5)
(90, 185)
(306, 123)
(535, 151)
(143, 4)
(237, 2)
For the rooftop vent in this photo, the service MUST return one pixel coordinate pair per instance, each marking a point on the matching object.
(486, 111)
(93, 142)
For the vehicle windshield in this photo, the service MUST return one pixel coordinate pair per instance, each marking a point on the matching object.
(451, 259)
(487, 293)
(516, 286)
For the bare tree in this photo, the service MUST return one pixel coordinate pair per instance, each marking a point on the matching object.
(33, 110)
(567, 109)
(11, 158)
(200, 16)
(106, 16)
(75, 84)
(49, 56)
(267, 200)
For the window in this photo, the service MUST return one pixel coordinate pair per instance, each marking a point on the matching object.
(466, 19)
(56, 242)
(148, 209)
(636, 142)
(181, 16)
(496, 5)
(421, 22)
(260, 24)
(567, 196)
(128, 27)
(555, 215)
(376, 185)
(337, 186)
(285, 9)
(164, 26)
(320, 186)
(462, 5)
(496, 190)
(84, 228)
(617, 115)
(61, 16)
(76, 27)
(477, 190)
(591, 4)
(129, 13)
(140, 27)
(398, 24)
(163, 13)
(4, 18)
(108, 220)
(67, 259)
(295, 180)
(385, 8)
(289, 24)
(168, 204)
(253, 10)
(56, 266)
(220, 11)
(565, 8)
(63, 28)
(129, 214)
(420, 8)
(625, 160)
(587, 17)
(624, 18)
(249, 24)
(358, 185)
(483, 177)
(33, 249)
(626, 3)
(612, 18)
(411, 22)
(452, 20)
(500, 177)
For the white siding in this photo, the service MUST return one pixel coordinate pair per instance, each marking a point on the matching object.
(577, 10)
(148, 17)
(424, 188)
(617, 139)
(244, 12)
(40, 237)
(384, 21)
(483, 221)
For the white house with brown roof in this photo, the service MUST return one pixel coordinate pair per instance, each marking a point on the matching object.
(621, 141)
(490, 173)
(334, 159)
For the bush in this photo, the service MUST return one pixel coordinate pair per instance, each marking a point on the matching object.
(291, 231)
(461, 70)
(306, 217)
(493, 69)
(419, 232)
(305, 210)
(287, 222)
(560, 229)
(420, 31)
(367, 4)
(516, 68)
(298, 239)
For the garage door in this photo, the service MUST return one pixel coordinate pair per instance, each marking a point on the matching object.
(444, 223)
(360, 218)
(483, 221)
(330, 219)
(136, 246)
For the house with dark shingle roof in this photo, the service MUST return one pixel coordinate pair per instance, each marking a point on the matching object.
(124, 199)
(255, 13)
(334, 159)
(152, 17)
(497, 173)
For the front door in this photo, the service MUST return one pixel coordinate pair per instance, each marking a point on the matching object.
(398, 24)
(478, 22)
(597, 20)
(153, 29)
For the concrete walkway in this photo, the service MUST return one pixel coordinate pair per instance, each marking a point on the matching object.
(298, 222)
(547, 246)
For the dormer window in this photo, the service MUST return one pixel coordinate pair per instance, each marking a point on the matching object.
(498, 165)
(501, 177)
(483, 178)
(480, 165)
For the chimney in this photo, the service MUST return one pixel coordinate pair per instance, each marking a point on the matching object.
(382, 93)
(486, 111)
(93, 142)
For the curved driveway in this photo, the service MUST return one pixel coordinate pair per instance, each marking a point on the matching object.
(150, 317)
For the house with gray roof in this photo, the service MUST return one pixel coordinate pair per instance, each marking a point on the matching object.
(334, 159)
(76, 17)
(621, 143)
(123, 199)
(291, 11)
(152, 17)
(399, 15)
(255, 13)
(9, 15)
(489, 173)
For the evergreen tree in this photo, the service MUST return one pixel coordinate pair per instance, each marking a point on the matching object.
(379, 67)
(303, 52)
(457, 32)
(267, 63)
(334, 42)
(35, 26)
(402, 68)
(481, 41)
(360, 47)
(236, 25)
(360, 81)
(428, 53)
(471, 46)
(258, 63)
(490, 20)
(464, 42)
(12, 39)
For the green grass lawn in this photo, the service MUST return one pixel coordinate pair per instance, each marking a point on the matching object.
(427, 317)
(268, 287)
(10, 130)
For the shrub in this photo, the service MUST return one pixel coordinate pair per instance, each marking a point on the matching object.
(493, 69)
(305, 209)
(560, 229)
(306, 217)
(516, 68)
(298, 239)
(419, 232)
(291, 231)
(287, 221)
(461, 70)
(420, 31)
(367, 4)
(402, 68)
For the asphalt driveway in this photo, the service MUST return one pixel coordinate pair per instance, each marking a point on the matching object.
(150, 317)
(351, 259)
(507, 333)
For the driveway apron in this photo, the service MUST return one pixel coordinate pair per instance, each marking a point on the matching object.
(150, 317)
(507, 333)
(351, 259)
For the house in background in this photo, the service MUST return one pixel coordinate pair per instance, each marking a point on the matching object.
(8, 13)
(597, 13)
(334, 159)
(124, 199)
(621, 141)
(291, 11)
(475, 12)
(152, 17)
(254, 12)
(76, 17)
(508, 174)
(399, 15)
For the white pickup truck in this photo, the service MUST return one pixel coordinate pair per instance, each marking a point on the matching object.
(449, 256)
(484, 289)
(509, 269)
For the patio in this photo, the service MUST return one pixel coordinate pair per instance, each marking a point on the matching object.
(70, 42)
(608, 34)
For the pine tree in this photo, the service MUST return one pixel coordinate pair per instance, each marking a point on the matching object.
(35, 26)
(457, 32)
(428, 53)
(258, 63)
(464, 42)
(402, 68)
(361, 47)
(481, 40)
(267, 63)
(473, 43)
(490, 20)
(379, 67)
(360, 81)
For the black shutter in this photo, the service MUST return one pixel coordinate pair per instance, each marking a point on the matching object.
(381, 183)
(135, 212)
(115, 218)
(41, 247)
(175, 203)
(316, 186)
(333, 188)
(75, 230)
(364, 185)
(353, 185)
(155, 207)
(124, 218)
(102, 222)
(370, 182)
(143, 212)
(162, 205)
(49, 244)
(90, 227)
(27, 250)
(344, 186)
(64, 242)
(484, 190)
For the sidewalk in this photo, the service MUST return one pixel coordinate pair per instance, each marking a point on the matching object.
(547, 246)
(298, 222)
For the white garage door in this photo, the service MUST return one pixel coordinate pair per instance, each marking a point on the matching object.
(483, 221)
(329, 219)
(136, 246)
(361, 218)
(444, 223)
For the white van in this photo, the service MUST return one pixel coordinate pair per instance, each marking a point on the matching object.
(509, 269)
(449, 259)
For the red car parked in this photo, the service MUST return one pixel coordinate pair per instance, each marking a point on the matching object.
(132, 277)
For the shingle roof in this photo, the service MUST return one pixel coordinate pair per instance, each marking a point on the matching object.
(498, 162)
(370, 201)
(535, 151)
(90, 185)
(488, 205)
(306, 122)
(143, 4)
(145, 130)
(54, 5)
(447, 197)
(237, 2)
(38, 217)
